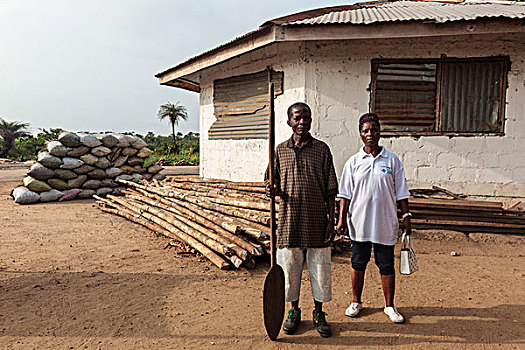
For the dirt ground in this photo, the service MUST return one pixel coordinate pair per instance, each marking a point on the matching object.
(72, 277)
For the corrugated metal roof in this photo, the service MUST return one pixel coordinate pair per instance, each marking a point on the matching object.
(418, 11)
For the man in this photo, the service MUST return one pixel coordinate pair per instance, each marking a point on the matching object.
(306, 182)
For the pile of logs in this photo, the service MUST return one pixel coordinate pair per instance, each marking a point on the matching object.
(227, 223)
(438, 208)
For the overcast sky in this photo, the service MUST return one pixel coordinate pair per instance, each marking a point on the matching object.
(89, 65)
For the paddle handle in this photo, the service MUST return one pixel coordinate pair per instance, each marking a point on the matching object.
(271, 153)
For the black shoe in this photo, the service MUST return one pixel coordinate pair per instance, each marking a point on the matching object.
(292, 321)
(321, 325)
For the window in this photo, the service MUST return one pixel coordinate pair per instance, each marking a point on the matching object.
(440, 96)
(241, 105)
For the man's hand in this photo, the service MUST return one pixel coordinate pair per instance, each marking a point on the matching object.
(271, 191)
(329, 232)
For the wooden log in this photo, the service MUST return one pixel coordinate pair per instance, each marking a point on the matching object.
(144, 220)
(248, 214)
(192, 219)
(206, 238)
(208, 220)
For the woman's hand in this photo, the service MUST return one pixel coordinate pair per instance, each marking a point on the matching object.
(342, 227)
(407, 225)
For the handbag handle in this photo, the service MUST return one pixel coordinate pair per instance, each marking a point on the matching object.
(405, 241)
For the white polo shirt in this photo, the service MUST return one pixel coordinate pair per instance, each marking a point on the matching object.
(373, 186)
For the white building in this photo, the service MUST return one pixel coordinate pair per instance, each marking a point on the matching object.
(447, 80)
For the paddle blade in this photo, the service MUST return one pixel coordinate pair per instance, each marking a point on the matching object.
(273, 301)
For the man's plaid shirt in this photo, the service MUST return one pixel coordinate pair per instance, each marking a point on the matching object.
(306, 179)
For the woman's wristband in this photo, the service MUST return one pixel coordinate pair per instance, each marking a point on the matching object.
(405, 215)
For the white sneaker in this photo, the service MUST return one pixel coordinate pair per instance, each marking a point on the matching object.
(394, 315)
(354, 309)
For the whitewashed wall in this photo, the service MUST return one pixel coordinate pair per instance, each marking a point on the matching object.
(334, 78)
(246, 160)
(481, 165)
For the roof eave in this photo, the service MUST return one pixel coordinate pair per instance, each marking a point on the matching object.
(248, 42)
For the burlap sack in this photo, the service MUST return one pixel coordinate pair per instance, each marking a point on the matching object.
(92, 184)
(84, 194)
(97, 174)
(109, 140)
(113, 172)
(102, 163)
(22, 195)
(71, 163)
(48, 160)
(135, 161)
(90, 141)
(84, 169)
(103, 191)
(56, 148)
(69, 194)
(69, 139)
(109, 183)
(128, 169)
(78, 151)
(89, 159)
(154, 169)
(137, 142)
(50, 196)
(123, 140)
(40, 172)
(144, 153)
(65, 174)
(101, 151)
(129, 151)
(58, 184)
(120, 161)
(77, 182)
(36, 185)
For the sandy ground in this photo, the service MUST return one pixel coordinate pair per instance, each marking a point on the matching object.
(72, 277)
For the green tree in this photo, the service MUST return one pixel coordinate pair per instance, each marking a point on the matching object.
(173, 112)
(10, 132)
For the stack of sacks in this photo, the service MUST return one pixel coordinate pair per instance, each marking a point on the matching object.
(79, 165)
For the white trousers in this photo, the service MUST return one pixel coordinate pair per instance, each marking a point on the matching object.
(318, 262)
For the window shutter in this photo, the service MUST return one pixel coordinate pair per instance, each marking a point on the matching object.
(471, 96)
(405, 95)
(241, 106)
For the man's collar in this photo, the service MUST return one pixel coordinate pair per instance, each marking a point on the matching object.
(308, 142)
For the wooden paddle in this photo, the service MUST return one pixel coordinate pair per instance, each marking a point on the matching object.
(273, 293)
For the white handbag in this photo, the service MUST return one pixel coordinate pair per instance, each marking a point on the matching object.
(408, 262)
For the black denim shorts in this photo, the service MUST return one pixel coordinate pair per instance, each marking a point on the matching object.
(383, 255)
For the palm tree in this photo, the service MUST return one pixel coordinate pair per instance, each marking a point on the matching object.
(174, 112)
(10, 131)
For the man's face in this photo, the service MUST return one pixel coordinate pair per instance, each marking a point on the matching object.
(370, 134)
(300, 121)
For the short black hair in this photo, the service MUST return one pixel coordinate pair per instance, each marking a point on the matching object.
(369, 118)
(298, 104)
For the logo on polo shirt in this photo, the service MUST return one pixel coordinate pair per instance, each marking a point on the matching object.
(386, 170)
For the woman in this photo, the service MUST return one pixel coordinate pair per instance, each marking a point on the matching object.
(372, 186)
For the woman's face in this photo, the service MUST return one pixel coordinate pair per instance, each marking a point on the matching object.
(370, 134)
